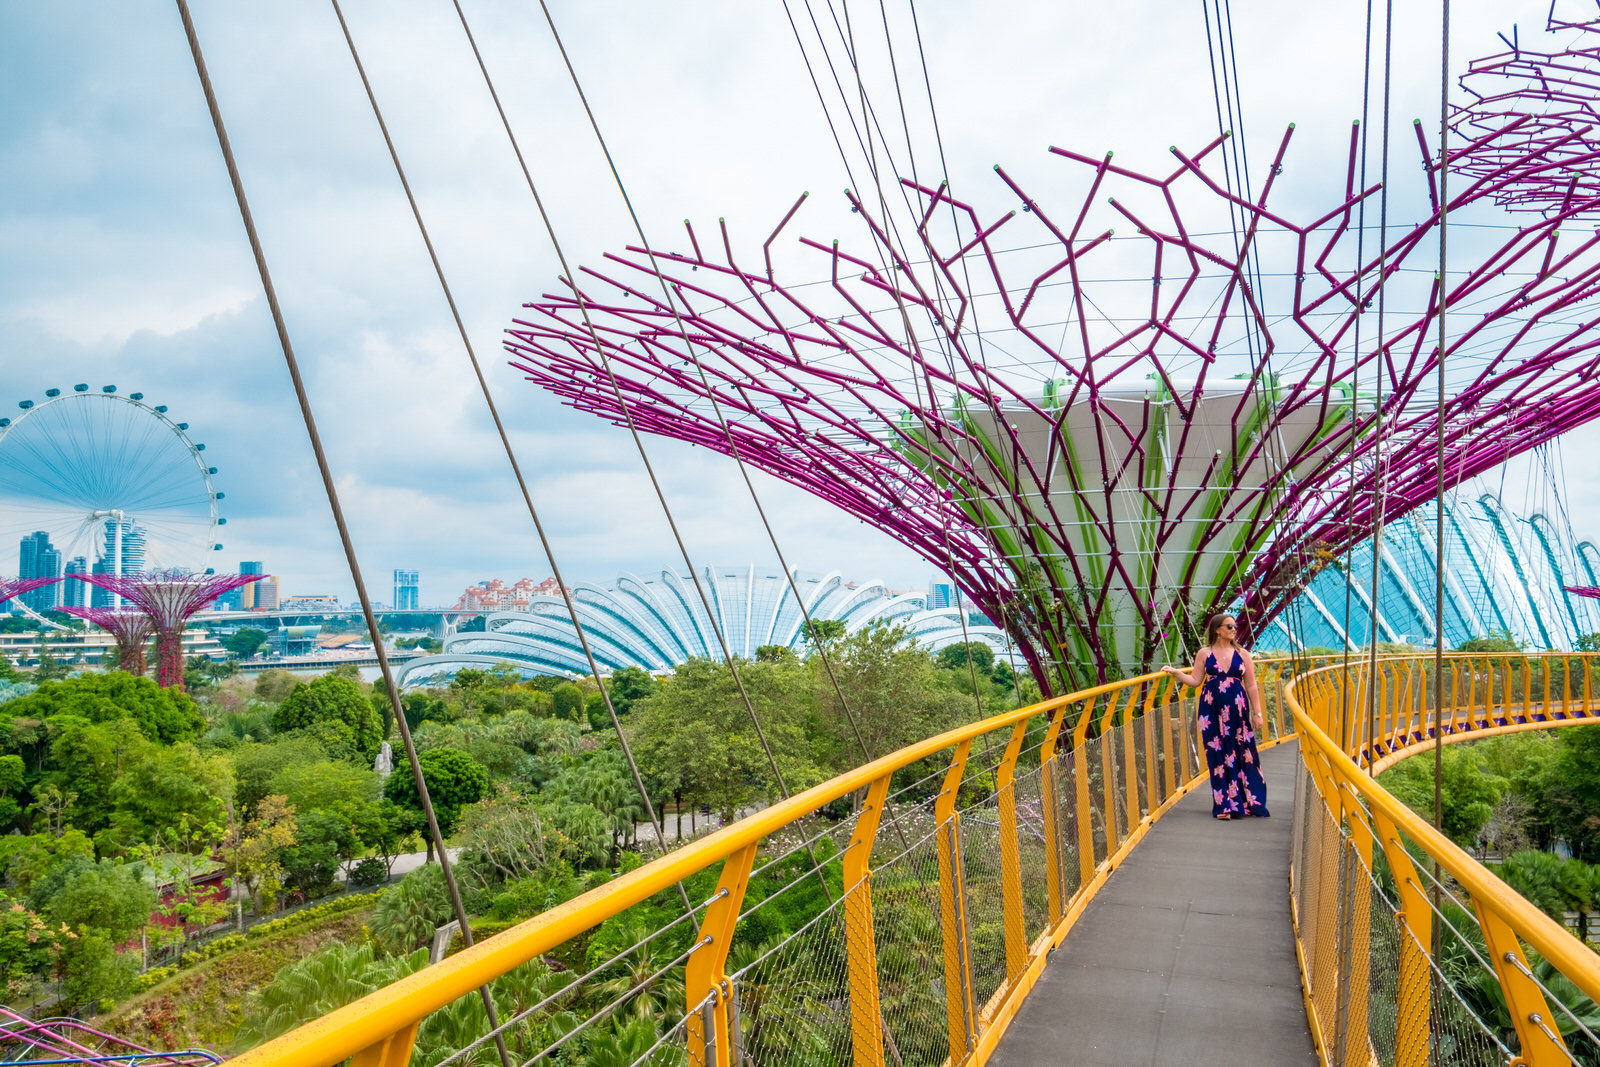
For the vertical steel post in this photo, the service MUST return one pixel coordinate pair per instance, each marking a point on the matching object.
(1541, 1046)
(1414, 1007)
(1011, 856)
(704, 974)
(1054, 875)
(860, 941)
(1080, 775)
(952, 909)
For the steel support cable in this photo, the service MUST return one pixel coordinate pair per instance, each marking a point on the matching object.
(1379, 474)
(1355, 366)
(331, 489)
(722, 420)
(633, 429)
(657, 824)
(1438, 506)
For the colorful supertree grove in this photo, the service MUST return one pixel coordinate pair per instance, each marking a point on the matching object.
(1157, 401)
(168, 599)
(131, 629)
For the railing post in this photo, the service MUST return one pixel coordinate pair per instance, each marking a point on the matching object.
(860, 936)
(1416, 978)
(1108, 773)
(703, 974)
(1152, 757)
(1540, 1044)
(1055, 899)
(392, 1051)
(953, 910)
(1080, 775)
(1011, 856)
(1130, 765)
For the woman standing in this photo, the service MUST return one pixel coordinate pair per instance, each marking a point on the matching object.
(1230, 720)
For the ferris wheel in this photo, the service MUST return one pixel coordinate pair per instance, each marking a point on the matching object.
(113, 483)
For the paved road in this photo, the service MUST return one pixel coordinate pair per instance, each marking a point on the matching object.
(1185, 958)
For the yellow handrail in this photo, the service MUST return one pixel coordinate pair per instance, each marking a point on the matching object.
(379, 1029)
(1404, 722)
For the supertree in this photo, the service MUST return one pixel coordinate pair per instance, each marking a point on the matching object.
(131, 629)
(1105, 438)
(168, 599)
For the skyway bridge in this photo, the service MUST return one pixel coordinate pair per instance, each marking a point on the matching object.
(1055, 892)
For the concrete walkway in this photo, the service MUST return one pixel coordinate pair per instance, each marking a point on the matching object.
(1185, 956)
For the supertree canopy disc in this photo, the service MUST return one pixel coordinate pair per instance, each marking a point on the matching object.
(1129, 414)
(15, 587)
(131, 629)
(168, 599)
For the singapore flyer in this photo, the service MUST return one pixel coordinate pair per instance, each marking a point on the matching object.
(107, 478)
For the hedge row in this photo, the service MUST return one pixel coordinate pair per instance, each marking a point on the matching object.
(271, 928)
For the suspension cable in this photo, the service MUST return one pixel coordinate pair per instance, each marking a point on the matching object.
(1439, 550)
(328, 485)
(633, 429)
(656, 824)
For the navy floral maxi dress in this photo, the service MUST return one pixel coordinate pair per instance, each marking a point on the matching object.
(1236, 785)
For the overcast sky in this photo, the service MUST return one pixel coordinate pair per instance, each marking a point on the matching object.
(122, 258)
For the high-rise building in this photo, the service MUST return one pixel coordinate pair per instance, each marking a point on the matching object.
(942, 595)
(405, 590)
(266, 591)
(245, 595)
(72, 592)
(132, 548)
(40, 559)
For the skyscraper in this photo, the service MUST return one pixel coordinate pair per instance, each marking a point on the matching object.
(72, 592)
(132, 548)
(247, 593)
(405, 590)
(40, 559)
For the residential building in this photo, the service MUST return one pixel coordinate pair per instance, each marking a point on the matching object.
(40, 559)
(73, 592)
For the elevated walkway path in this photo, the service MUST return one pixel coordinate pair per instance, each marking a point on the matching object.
(1185, 957)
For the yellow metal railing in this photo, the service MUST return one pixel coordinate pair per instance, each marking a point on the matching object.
(978, 882)
(1411, 952)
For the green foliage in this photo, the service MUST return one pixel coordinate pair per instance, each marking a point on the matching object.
(696, 735)
(409, 912)
(255, 767)
(170, 788)
(322, 982)
(569, 702)
(333, 709)
(272, 686)
(1572, 790)
(164, 715)
(628, 686)
(368, 874)
(820, 632)
(454, 780)
(95, 972)
(29, 947)
(960, 656)
(1493, 641)
(245, 643)
(327, 785)
(81, 894)
(1469, 792)
(323, 841)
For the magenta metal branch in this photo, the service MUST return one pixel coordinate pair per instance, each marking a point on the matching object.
(168, 599)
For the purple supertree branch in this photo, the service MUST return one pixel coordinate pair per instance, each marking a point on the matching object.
(15, 587)
(131, 629)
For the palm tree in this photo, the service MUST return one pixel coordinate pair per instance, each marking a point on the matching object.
(310, 988)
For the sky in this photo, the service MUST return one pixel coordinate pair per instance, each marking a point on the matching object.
(123, 259)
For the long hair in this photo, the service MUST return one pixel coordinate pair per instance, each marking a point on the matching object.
(1214, 626)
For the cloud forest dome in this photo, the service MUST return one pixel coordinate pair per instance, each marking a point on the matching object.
(1506, 572)
(657, 622)
(1110, 403)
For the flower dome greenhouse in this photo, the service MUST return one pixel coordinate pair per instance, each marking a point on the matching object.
(1503, 572)
(659, 622)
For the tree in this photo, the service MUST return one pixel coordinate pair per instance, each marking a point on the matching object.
(29, 947)
(569, 702)
(170, 787)
(87, 759)
(409, 913)
(323, 843)
(386, 829)
(245, 643)
(454, 780)
(959, 656)
(272, 686)
(1493, 641)
(309, 988)
(110, 897)
(695, 733)
(502, 839)
(255, 767)
(164, 715)
(819, 632)
(336, 704)
(1571, 787)
(327, 785)
(628, 686)
(255, 849)
(1469, 793)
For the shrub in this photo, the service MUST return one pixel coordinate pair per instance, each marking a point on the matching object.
(368, 874)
